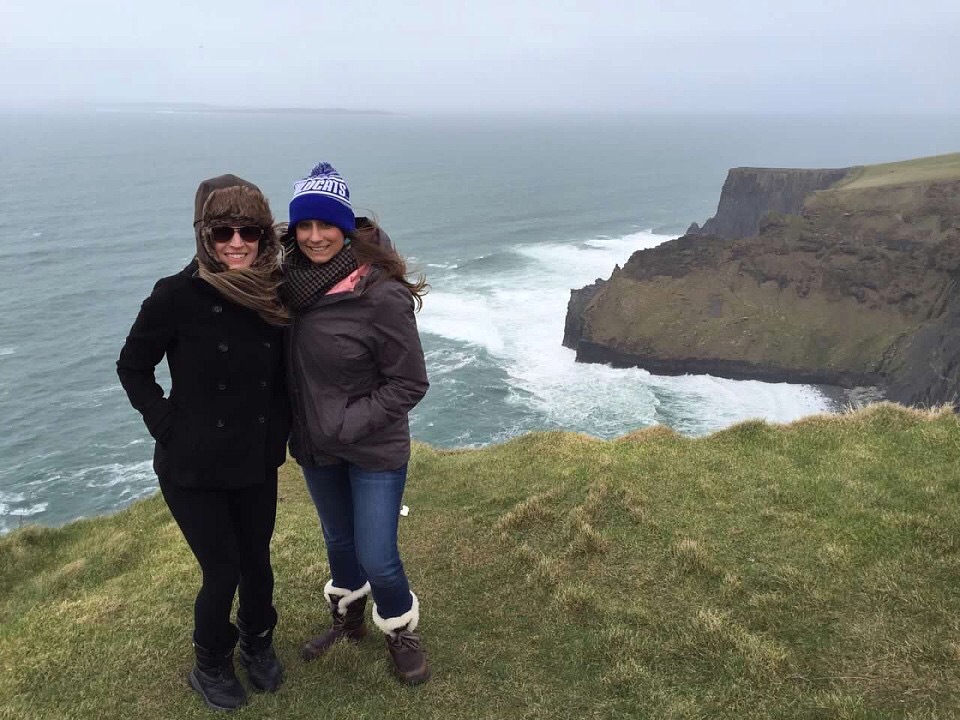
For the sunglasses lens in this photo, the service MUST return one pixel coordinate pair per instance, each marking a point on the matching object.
(221, 234)
(250, 233)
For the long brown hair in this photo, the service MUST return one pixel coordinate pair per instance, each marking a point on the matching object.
(368, 248)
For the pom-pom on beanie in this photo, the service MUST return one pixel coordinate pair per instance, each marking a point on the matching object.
(323, 195)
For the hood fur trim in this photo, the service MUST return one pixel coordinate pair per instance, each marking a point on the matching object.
(215, 183)
(241, 205)
(236, 203)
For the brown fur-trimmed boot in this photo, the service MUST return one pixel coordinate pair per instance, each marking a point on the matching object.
(403, 643)
(347, 609)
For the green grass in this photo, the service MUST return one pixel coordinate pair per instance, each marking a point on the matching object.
(801, 571)
(666, 317)
(928, 169)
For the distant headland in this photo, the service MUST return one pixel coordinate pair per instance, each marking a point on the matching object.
(846, 276)
(230, 109)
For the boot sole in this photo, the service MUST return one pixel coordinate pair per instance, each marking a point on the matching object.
(195, 684)
(417, 677)
(308, 654)
(256, 686)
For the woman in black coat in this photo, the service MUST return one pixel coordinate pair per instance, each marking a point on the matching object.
(221, 433)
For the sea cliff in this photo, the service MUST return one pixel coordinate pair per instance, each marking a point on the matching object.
(749, 194)
(844, 277)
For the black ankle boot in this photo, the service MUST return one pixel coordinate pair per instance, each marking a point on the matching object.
(259, 659)
(214, 678)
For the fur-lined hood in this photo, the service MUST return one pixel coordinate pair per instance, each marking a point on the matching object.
(228, 199)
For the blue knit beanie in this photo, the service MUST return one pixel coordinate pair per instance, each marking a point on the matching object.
(323, 195)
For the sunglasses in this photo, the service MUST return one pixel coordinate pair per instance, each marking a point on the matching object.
(224, 233)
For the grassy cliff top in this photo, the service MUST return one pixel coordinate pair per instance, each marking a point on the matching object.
(929, 169)
(800, 571)
(926, 169)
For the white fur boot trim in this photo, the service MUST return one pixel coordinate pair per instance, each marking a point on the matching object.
(343, 597)
(410, 618)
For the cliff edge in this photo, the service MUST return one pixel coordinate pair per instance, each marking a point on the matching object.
(749, 194)
(857, 286)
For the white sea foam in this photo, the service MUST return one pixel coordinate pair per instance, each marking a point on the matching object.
(125, 482)
(518, 316)
(713, 403)
(444, 361)
(469, 318)
(133, 475)
(92, 398)
(7, 351)
(583, 262)
(28, 511)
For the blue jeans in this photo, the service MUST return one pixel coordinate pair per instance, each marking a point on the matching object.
(359, 512)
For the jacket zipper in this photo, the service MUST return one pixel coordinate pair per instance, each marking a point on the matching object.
(300, 414)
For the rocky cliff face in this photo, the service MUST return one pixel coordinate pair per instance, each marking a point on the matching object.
(858, 286)
(576, 306)
(750, 193)
(926, 369)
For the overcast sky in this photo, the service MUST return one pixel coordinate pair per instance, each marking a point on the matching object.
(445, 55)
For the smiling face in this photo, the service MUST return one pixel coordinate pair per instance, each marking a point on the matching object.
(319, 241)
(236, 253)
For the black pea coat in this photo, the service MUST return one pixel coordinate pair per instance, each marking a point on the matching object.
(226, 421)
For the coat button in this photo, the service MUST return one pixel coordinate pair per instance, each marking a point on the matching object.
(267, 345)
(262, 419)
(223, 347)
(220, 423)
(263, 383)
(222, 386)
(217, 308)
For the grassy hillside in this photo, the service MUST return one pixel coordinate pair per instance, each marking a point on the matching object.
(720, 313)
(802, 571)
(929, 169)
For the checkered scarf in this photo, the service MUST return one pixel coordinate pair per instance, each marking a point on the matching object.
(305, 282)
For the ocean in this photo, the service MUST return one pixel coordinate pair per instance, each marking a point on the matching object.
(503, 213)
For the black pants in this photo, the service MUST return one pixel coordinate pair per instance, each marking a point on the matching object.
(229, 532)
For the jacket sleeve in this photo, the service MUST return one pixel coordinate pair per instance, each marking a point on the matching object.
(152, 333)
(399, 358)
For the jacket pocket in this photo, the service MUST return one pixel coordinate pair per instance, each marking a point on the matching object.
(356, 421)
(165, 432)
(183, 441)
(160, 419)
(327, 418)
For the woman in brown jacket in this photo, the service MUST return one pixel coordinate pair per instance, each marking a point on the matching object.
(355, 369)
